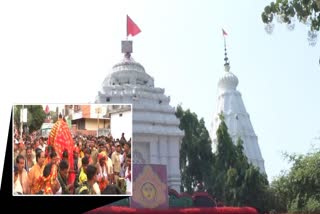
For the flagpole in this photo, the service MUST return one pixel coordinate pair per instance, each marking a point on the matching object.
(225, 50)
(226, 64)
(127, 27)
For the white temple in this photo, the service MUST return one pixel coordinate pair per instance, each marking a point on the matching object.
(236, 117)
(156, 135)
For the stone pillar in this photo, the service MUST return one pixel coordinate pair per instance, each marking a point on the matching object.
(173, 167)
(163, 143)
(154, 158)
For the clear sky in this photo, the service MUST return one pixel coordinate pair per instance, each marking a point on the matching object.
(61, 51)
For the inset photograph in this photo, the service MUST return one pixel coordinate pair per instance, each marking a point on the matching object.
(72, 149)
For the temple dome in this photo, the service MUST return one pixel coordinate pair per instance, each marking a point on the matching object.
(128, 72)
(228, 81)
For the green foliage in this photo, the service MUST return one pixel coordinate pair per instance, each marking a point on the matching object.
(195, 151)
(280, 189)
(231, 179)
(226, 174)
(53, 115)
(16, 117)
(299, 189)
(237, 182)
(313, 205)
(35, 116)
(287, 10)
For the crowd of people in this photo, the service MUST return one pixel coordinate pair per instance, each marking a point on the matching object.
(101, 165)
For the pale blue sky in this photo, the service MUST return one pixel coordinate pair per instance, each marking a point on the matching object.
(61, 51)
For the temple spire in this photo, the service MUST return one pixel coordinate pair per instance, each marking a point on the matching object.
(236, 117)
(226, 60)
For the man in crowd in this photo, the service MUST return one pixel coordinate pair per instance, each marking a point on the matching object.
(74, 169)
(126, 152)
(94, 152)
(92, 179)
(30, 159)
(22, 174)
(17, 187)
(63, 177)
(82, 175)
(42, 146)
(87, 186)
(46, 184)
(36, 171)
(54, 157)
(109, 169)
(87, 153)
(102, 171)
(115, 157)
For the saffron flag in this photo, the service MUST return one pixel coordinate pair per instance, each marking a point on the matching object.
(224, 33)
(132, 28)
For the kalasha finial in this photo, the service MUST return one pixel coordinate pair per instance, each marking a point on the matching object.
(226, 60)
(126, 48)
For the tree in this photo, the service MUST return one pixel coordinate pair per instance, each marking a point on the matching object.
(280, 190)
(195, 152)
(299, 189)
(35, 116)
(287, 11)
(237, 182)
(224, 163)
(226, 174)
(53, 115)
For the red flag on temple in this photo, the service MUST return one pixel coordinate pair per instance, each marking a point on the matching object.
(224, 33)
(132, 28)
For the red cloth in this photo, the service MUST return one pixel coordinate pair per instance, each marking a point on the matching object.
(60, 139)
(72, 177)
(197, 210)
(132, 28)
(103, 183)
